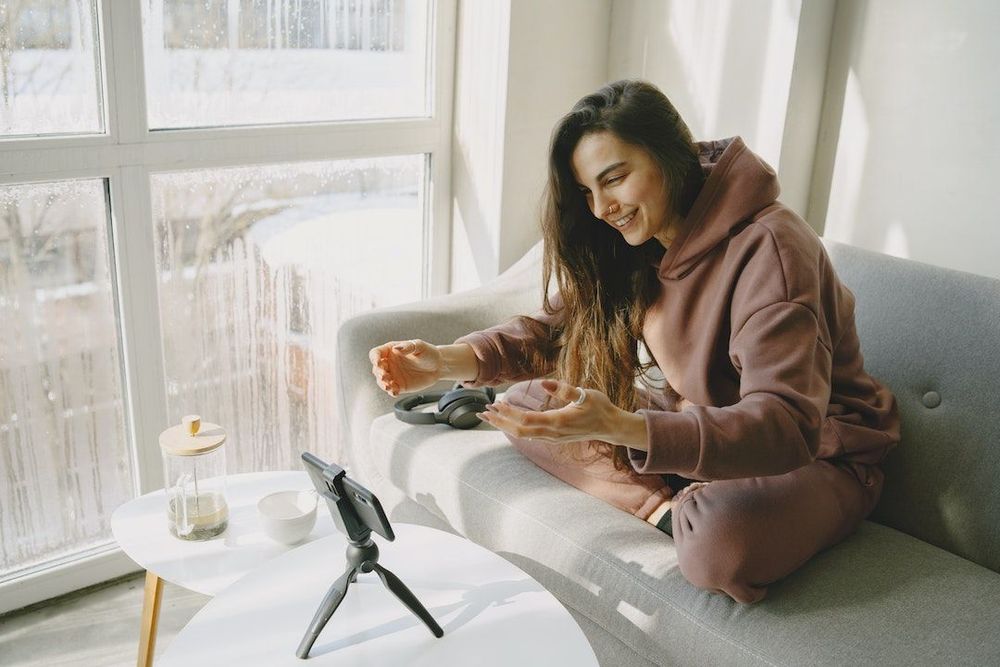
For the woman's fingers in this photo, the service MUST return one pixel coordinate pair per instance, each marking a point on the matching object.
(524, 423)
(379, 357)
(399, 363)
(564, 391)
(408, 347)
(390, 388)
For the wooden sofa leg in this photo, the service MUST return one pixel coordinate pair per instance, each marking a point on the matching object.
(150, 617)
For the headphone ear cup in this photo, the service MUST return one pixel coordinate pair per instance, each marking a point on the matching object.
(489, 392)
(464, 416)
(459, 407)
(458, 394)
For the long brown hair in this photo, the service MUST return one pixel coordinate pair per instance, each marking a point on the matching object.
(606, 285)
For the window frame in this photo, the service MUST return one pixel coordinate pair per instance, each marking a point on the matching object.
(128, 153)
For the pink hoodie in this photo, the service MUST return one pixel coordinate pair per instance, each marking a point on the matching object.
(753, 328)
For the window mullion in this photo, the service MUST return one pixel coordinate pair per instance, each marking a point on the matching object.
(125, 81)
(195, 150)
(138, 308)
(442, 82)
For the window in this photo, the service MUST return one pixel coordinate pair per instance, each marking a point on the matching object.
(64, 449)
(195, 24)
(184, 229)
(268, 261)
(49, 81)
(301, 61)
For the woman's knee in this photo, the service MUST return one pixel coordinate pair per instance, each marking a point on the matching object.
(714, 550)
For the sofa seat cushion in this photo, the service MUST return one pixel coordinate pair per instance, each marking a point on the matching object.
(880, 597)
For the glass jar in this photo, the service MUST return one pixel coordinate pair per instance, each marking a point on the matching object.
(194, 471)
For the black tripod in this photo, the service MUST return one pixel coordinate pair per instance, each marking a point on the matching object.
(362, 555)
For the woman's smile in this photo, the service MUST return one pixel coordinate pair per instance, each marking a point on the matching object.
(625, 220)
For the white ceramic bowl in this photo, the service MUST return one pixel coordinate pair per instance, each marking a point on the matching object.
(288, 516)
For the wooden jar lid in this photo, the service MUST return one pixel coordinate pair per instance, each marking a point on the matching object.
(192, 437)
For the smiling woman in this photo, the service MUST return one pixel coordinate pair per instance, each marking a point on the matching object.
(629, 153)
(763, 448)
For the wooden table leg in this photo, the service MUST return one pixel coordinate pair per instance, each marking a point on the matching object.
(150, 617)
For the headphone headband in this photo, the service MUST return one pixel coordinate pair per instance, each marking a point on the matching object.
(407, 405)
(456, 408)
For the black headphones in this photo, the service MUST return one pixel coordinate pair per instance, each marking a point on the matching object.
(456, 408)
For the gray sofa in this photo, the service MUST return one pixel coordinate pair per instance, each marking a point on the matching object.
(918, 583)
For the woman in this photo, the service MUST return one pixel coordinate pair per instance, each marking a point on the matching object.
(763, 447)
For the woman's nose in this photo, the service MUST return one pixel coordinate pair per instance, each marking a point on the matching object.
(601, 206)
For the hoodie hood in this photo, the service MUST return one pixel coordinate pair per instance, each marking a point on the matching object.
(738, 186)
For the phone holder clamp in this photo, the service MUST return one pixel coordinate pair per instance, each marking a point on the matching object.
(362, 556)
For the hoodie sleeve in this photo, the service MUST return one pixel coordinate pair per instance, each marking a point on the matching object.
(775, 426)
(521, 348)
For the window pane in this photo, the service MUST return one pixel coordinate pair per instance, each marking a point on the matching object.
(64, 457)
(49, 82)
(258, 267)
(248, 62)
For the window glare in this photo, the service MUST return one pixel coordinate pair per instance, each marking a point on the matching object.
(258, 266)
(225, 62)
(65, 463)
(49, 66)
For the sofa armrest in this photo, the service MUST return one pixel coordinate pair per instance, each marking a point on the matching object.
(439, 320)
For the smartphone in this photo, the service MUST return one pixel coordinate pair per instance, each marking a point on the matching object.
(355, 509)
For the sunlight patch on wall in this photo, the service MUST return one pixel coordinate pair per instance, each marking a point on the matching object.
(896, 243)
(848, 170)
(776, 80)
(699, 32)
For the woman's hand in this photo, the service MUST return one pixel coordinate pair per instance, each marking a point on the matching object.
(597, 418)
(405, 366)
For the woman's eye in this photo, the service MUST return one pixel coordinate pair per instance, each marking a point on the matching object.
(615, 179)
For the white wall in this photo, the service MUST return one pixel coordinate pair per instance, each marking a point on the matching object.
(521, 65)
(477, 140)
(880, 117)
(729, 66)
(909, 155)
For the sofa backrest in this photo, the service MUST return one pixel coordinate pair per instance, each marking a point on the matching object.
(933, 336)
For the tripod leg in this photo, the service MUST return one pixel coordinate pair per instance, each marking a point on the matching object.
(326, 608)
(400, 590)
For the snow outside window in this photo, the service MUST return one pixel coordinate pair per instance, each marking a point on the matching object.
(194, 195)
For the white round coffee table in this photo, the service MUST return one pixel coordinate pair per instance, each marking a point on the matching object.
(140, 528)
(492, 613)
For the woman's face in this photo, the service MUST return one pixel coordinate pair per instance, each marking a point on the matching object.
(624, 187)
